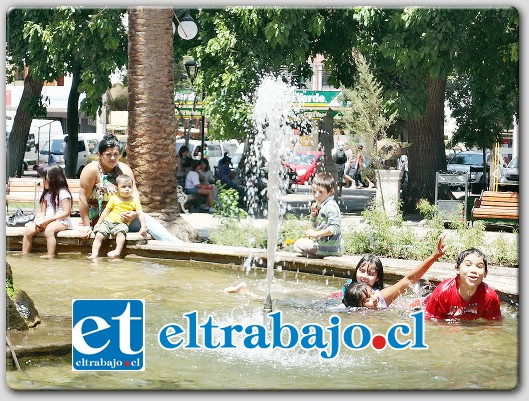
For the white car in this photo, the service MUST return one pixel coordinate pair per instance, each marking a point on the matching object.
(510, 175)
(54, 150)
(463, 161)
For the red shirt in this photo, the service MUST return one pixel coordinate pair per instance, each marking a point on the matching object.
(446, 303)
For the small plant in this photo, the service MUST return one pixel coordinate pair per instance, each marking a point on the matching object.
(227, 203)
(10, 288)
(234, 232)
(291, 230)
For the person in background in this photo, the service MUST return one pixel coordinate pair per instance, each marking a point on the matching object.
(359, 163)
(194, 186)
(98, 183)
(206, 152)
(339, 157)
(465, 296)
(54, 213)
(225, 161)
(206, 176)
(363, 295)
(349, 170)
(324, 237)
(226, 176)
(402, 165)
(197, 153)
(111, 221)
(183, 164)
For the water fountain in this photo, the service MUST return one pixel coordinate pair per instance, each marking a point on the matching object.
(171, 289)
(272, 112)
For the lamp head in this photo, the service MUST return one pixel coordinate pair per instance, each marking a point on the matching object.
(192, 69)
(187, 27)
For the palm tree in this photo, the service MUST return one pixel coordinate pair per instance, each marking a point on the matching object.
(152, 122)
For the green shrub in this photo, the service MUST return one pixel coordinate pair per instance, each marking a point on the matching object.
(505, 253)
(227, 203)
(382, 236)
(234, 232)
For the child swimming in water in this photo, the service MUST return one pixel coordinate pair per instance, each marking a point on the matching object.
(465, 296)
(368, 270)
(361, 294)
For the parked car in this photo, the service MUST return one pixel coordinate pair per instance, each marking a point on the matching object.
(53, 150)
(510, 175)
(217, 149)
(305, 164)
(470, 161)
(41, 131)
(192, 144)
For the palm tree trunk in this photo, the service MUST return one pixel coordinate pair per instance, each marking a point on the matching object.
(72, 123)
(152, 122)
(427, 151)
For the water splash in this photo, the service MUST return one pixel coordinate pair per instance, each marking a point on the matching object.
(273, 110)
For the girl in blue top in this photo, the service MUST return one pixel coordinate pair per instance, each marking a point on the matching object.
(369, 270)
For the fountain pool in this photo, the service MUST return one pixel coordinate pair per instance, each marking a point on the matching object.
(470, 356)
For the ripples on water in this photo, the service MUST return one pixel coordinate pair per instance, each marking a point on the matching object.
(482, 355)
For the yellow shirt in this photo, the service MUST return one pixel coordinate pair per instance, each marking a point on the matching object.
(118, 206)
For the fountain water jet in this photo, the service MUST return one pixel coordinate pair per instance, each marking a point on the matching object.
(273, 110)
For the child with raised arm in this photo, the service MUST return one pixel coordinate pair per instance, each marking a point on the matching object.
(465, 296)
(362, 295)
(54, 213)
(111, 221)
(368, 270)
(324, 237)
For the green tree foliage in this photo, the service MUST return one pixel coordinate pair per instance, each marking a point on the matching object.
(237, 46)
(26, 47)
(413, 51)
(488, 90)
(366, 114)
(90, 44)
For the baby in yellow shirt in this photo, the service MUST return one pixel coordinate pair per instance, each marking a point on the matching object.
(111, 221)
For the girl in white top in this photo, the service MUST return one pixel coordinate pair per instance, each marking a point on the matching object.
(194, 186)
(54, 213)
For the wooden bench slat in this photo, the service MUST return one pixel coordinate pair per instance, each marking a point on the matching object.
(486, 212)
(498, 204)
(498, 194)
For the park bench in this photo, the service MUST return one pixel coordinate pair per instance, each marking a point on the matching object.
(28, 190)
(497, 207)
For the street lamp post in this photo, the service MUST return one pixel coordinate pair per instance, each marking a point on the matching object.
(192, 71)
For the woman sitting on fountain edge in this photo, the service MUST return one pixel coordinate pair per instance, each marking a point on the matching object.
(98, 183)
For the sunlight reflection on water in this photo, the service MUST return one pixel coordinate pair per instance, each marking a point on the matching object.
(487, 352)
